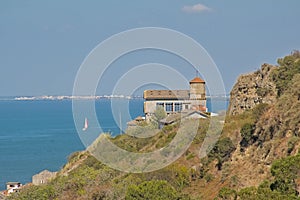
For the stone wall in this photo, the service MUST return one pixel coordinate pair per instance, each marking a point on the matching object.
(43, 177)
(252, 89)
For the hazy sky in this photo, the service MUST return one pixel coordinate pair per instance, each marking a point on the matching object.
(43, 43)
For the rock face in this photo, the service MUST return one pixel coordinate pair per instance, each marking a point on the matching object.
(252, 89)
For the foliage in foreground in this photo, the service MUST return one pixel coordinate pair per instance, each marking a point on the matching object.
(159, 190)
(286, 174)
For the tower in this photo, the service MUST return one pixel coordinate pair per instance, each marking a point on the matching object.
(197, 89)
(197, 94)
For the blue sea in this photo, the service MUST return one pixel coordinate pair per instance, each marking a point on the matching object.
(38, 135)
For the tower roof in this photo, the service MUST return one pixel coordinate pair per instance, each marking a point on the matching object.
(197, 80)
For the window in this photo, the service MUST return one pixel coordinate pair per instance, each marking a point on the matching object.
(186, 107)
(160, 104)
(169, 107)
(178, 107)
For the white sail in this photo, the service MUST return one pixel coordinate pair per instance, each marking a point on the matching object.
(86, 124)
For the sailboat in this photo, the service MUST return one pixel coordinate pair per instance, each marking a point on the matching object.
(86, 124)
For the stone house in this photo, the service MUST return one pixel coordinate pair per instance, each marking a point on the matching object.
(43, 177)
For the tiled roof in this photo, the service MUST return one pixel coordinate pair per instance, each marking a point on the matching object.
(13, 183)
(166, 94)
(197, 80)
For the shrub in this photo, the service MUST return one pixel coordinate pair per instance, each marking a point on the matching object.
(285, 171)
(283, 75)
(248, 193)
(159, 190)
(44, 192)
(247, 135)
(227, 193)
(222, 151)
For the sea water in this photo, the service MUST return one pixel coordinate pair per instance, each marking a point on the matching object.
(38, 135)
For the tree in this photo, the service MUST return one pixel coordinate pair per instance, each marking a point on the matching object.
(222, 151)
(159, 113)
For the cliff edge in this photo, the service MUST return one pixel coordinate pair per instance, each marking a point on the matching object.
(252, 89)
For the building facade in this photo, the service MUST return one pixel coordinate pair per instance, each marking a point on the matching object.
(12, 187)
(43, 177)
(176, 100)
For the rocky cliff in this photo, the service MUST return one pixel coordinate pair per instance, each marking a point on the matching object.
(252, 89)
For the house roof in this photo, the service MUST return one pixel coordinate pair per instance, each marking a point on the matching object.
(171, 118)
(191, 112)
(13, 183)
(139, 118)
(45, 172)
(166, 94)
(177, 116)
(197, 80)
(136, 121)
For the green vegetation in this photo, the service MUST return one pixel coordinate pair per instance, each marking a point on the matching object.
(159, 114)
(247, 135)
(285, 172)
(159, 190)
(222, 151)
(283, 75)
(227, 193)
(268, 137)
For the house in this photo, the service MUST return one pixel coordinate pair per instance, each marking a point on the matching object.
(136, 122)
(187, 114)
(174, 101)
(12, 187)
(43, 177)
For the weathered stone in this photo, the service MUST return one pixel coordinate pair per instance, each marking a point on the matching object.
(43, 177)
(252, 89)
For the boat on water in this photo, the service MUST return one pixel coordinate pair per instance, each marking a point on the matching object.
(86, 124)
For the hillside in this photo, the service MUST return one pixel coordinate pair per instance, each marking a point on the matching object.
(256, 157)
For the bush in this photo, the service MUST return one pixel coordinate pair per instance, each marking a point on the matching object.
(259, 110)
(285, 171)
(247, 135)
(248, 193)
(159, 190)
(44, 192)
(283, 75)
(91, 161)
(222, 151)
(227, 193)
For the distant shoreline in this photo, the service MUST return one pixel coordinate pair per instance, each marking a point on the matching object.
(65, 97)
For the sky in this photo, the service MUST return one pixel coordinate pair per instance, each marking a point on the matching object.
(44, 43)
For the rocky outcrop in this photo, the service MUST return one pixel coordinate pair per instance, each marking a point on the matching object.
(252, 89)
